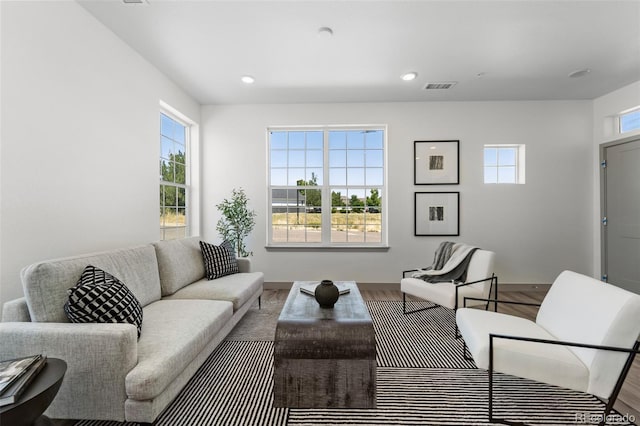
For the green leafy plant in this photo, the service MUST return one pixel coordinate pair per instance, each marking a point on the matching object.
(237, 221)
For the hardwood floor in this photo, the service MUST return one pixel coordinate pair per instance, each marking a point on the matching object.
(628, 402)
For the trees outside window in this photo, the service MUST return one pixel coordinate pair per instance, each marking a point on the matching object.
(174, 136)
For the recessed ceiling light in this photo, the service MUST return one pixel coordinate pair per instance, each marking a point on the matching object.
(409, 76)
(325, 32)
(579, 73)
(247, 79)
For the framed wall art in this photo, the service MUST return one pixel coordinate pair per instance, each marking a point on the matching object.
(436, 162)
(437, 213)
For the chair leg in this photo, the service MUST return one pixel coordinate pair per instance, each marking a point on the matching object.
(619, 383)
(404, 306)
(465, 351)
(494, 279)
(490, 410)
(259, 302)
(456, 332)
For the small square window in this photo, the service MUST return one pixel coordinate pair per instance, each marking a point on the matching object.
(504, 164)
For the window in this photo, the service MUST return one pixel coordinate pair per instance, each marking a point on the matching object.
(327, 186)
(630, 121)
(504, 164)
(174, 190)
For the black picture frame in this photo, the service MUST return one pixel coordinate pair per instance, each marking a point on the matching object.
(436, 162)
(436, 214)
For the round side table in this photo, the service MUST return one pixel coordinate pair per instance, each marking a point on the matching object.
(36, 397)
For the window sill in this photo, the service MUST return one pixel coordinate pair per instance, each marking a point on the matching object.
(336, 248)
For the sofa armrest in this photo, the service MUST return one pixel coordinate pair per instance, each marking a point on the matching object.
(16, 310)
(98, 357)
(244, 264)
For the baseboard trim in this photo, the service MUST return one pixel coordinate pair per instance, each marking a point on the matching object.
(285, 285)
(524, 287)
(271, 285)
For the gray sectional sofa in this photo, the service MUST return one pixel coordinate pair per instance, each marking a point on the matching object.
(113, 375)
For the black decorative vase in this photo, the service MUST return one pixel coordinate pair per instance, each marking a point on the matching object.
(327, 294)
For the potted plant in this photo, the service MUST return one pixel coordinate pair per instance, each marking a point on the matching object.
(237, 221)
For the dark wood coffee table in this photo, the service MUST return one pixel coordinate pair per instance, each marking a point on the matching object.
(324, 358)
(36, 397)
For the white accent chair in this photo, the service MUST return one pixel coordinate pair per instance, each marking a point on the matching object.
(479, 282)
(585, 338)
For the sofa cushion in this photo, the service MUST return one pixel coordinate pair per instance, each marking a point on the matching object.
(99, 297)
(236, 288)
(218, 260)
(179, 262)
(45, 283)
(174, 332)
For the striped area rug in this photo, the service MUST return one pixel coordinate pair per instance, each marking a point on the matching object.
(234, 386)
(440, 397)
(422, 339)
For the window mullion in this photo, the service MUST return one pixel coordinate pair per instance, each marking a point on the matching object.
(516, 156)
(177, 185)
(326, 191)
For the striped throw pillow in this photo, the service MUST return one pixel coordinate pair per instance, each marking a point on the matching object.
(218, 260)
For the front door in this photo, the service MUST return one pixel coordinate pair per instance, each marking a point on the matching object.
(621, 229)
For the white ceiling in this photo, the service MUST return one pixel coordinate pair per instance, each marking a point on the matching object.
(494, 50)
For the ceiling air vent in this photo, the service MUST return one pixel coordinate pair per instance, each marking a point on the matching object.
(440, 85)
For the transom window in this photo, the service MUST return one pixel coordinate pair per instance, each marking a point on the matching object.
(174, 137)
(504, 164)
(326, 186)
(630, 121)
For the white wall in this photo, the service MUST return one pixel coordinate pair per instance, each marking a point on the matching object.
(79, 148)
(537, 229)
(80, 145)
(605, 130)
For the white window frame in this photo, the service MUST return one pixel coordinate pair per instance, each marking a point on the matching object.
(326, 189)
(188, 125)
(519, 163)
(627, 112)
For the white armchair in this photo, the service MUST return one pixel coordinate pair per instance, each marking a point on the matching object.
(479, 282)
(585, 338)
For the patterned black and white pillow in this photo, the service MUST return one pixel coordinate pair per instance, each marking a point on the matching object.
(219, 260)
(99, 297)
